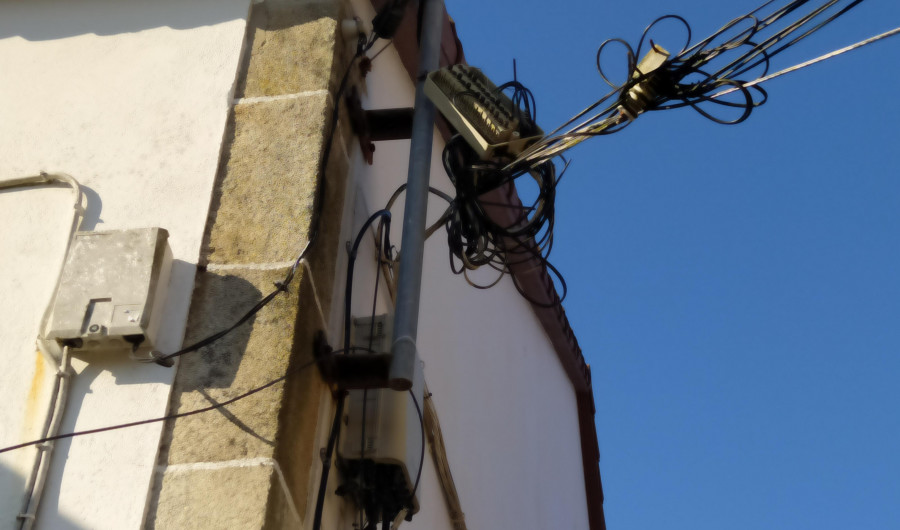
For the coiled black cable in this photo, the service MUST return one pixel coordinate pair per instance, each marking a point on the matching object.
(362, 46)
(474, 236)
(384, 216)
(712, 76)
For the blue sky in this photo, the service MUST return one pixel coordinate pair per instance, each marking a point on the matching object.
(736, 289)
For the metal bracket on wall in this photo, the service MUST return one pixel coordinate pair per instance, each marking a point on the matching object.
(350, 371)
(377, 125)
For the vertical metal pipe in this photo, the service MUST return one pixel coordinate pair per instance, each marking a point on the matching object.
(409, 278)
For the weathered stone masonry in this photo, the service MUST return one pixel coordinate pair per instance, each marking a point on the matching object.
(251, 466)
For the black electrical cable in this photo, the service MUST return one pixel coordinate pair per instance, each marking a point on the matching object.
(690, 77)
(422, 453)
(474, 238)
(385, 216)
(165, 418)
(381, 252)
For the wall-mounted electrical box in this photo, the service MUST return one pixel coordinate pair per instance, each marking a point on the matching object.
(393, 432)
(111, 292)
(486, 117)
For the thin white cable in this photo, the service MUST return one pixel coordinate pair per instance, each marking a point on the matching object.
(45, 450)
(312, 283)
(811, 62)
(35, 487)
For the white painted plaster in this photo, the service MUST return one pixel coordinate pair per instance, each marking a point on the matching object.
(130, 98)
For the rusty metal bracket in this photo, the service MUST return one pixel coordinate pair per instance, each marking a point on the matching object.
(377, 125)
(350, 371)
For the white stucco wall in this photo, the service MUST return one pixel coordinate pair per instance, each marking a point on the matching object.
(130, 98)
(506, 406)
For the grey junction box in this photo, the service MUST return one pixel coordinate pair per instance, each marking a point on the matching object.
(111, 291)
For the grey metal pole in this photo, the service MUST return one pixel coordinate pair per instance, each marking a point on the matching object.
(409, 277)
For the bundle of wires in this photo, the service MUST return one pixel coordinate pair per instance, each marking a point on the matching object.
(698, 76)
(718, 77)
(480, 231)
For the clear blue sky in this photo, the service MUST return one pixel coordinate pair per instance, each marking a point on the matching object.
(736, 289)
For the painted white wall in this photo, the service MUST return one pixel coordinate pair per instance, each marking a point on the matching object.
(506, 406)
(130, 98)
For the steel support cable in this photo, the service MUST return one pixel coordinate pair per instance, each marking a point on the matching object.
(708, 40)
(422, 454)
(763, 48)
(480, 233)
(554, 145)
(701, 57)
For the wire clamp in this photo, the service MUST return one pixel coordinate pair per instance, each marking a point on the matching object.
(623, 112)
(283, 286)
(157, 357)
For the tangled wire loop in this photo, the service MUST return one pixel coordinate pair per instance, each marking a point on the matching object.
(475, 236)
(685, 79)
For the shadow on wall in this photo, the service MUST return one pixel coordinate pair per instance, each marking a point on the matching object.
(219, 301)
(12, 491)
(92, 210)
(38, 20)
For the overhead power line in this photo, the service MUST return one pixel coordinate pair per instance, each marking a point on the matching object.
(811, 62)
